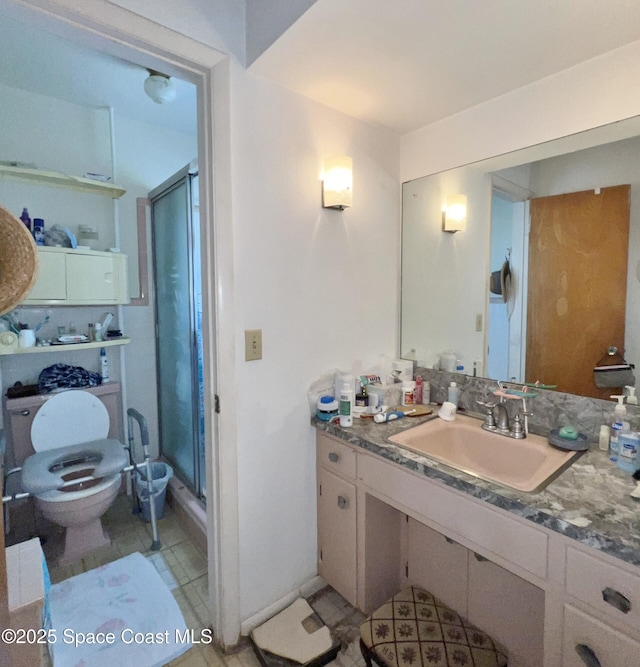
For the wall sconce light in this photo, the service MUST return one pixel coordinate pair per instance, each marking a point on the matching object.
(159, 87)
(454, 214)
(337, 185)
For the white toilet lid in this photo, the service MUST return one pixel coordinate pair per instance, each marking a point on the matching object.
(69, 418)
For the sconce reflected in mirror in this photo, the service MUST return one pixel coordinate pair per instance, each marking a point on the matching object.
(337, 183)
(454, 214)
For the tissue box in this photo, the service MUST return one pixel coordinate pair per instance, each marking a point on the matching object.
(386, 394)
(402, 370)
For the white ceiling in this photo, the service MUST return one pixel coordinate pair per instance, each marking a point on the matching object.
(34, 60)
(404, 64)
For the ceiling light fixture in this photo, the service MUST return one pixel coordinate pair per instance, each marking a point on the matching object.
(159, 87)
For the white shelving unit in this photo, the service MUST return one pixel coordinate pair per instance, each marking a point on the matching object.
(56, 179)
(75, 347)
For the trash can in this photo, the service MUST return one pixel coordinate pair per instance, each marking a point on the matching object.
(161, 473)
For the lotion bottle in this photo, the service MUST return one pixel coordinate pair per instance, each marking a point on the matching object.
(346, 405)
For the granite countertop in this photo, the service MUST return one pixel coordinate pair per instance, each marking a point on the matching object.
(588, 502)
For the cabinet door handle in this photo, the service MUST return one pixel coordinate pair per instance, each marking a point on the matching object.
(25, 413)
(342, 502)
(616, 599)
(333, 457)
(587, 655)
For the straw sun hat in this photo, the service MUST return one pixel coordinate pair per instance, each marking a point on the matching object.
(18, 261)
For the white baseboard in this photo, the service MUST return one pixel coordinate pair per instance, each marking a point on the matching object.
(306, 590)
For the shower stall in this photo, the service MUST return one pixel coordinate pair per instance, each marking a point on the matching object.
(175, 226)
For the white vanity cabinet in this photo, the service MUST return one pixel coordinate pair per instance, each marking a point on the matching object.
(552, 601)
(336, 471)
(72, 277)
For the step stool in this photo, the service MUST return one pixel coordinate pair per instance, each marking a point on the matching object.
(415, 629)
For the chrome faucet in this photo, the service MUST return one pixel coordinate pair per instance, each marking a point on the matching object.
(497, 420)
(502, 417)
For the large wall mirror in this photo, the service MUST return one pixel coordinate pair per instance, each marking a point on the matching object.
(565, 215)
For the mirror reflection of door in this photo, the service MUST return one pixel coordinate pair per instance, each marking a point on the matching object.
(505, 340)
(576, 294)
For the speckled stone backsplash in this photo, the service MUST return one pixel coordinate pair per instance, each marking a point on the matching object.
(551, 409)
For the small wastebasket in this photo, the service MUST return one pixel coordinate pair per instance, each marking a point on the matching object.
(161, 473)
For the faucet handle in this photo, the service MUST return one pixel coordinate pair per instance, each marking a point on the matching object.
(489, 420)
(518, 431)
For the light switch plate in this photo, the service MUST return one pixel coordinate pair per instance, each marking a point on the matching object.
(252, 344)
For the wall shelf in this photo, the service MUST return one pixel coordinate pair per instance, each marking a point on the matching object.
(66, 348)
(56, 179)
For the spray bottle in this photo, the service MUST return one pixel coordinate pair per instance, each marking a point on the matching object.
(104, 365)
(619, 425)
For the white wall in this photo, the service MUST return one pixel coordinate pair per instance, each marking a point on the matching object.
(322, 285)
(217, 23)
(593, 93)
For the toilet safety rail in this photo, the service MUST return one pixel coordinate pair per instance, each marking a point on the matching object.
(132, 415)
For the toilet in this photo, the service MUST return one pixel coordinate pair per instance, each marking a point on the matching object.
(68, 436)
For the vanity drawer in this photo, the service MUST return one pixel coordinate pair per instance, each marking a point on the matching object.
(523, 545)
(603, 586)
(334, 455)
(587, 641)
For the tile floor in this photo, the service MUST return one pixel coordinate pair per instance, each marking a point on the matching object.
(184, 568)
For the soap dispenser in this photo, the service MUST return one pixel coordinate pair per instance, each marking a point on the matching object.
(619, 424)
(632, 399)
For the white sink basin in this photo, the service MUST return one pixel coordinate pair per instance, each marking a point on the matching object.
(525, 465)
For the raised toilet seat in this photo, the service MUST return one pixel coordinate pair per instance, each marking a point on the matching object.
(69, 436)
(43, 473)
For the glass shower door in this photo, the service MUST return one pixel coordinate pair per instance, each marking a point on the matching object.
(176, 257)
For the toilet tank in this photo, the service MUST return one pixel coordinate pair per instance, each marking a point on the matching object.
(20, 412)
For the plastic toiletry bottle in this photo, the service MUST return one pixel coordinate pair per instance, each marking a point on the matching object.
(426, 393)
(362, 397)
(408, 392)
(346, 404)
(628, 446)
(104, 365)
(632, 399)
(619, 425)
(38, 231)
(605, 437)
(452, 394)
(26, 218)
(417, 395)
(97, 331)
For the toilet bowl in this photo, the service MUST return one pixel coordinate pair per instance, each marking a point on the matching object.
(69, 437)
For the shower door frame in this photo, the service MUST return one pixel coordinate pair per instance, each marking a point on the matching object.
(189, 177)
